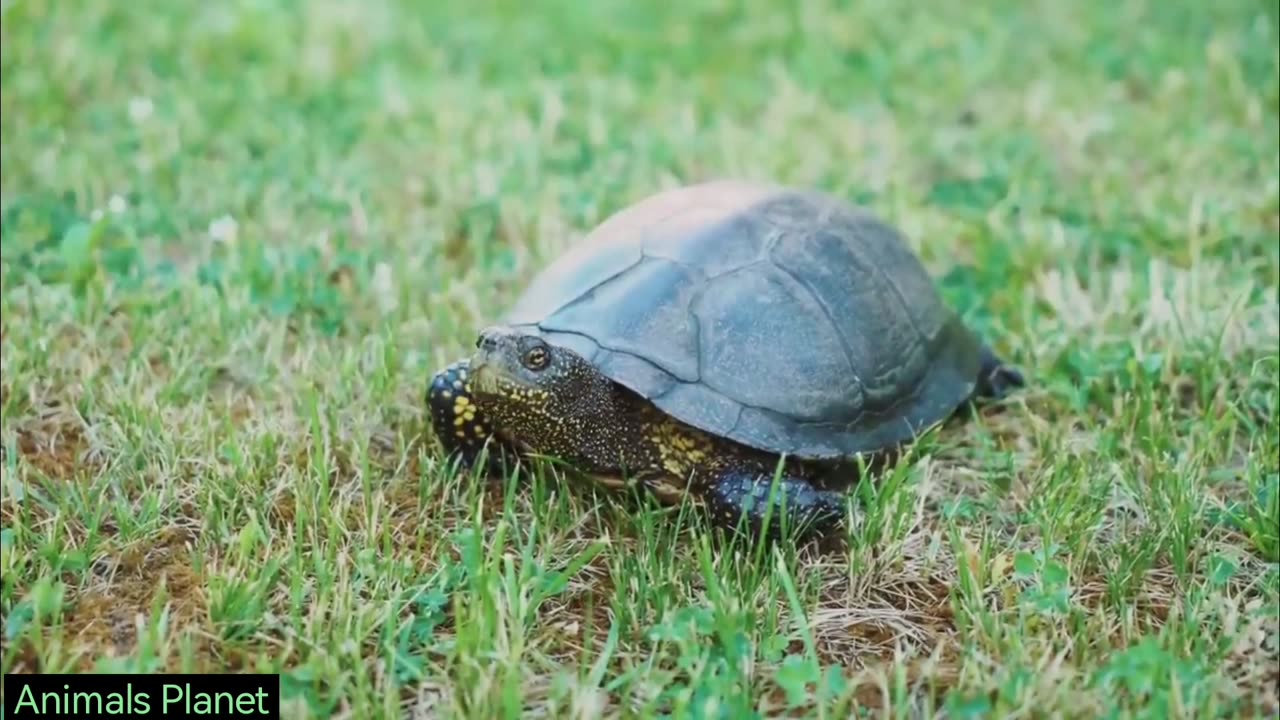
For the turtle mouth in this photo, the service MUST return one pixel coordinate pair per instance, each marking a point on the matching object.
(484, 376)
(490, 376)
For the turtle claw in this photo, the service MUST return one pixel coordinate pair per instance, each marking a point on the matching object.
(997, 379)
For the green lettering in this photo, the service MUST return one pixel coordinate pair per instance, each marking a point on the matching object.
(115, 704)
(89, 698)
(25, 698)
(262, 700)
(140, 703)
(167, 700)
(57, 703)
(211, 703)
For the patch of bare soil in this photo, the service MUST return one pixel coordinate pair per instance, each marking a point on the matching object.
(53, 441)
(102, 619)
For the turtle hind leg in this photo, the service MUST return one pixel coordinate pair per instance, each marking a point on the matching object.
(739, 500)
(460, 426)
(996, 378)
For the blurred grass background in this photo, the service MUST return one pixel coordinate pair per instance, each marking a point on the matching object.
(238, 236)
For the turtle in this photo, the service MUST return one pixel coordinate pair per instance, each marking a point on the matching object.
(742, 344)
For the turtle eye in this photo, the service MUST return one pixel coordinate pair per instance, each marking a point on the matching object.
(536, 357)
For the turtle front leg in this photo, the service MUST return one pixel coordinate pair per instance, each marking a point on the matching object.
(739, 500)
(459, 424)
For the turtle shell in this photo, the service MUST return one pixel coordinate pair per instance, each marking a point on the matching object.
(782, 319)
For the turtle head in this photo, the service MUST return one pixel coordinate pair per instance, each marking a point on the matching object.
(546, 398)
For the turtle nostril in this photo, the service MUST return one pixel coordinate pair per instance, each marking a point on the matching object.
(487, 341)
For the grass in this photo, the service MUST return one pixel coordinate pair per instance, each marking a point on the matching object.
(239, 236)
